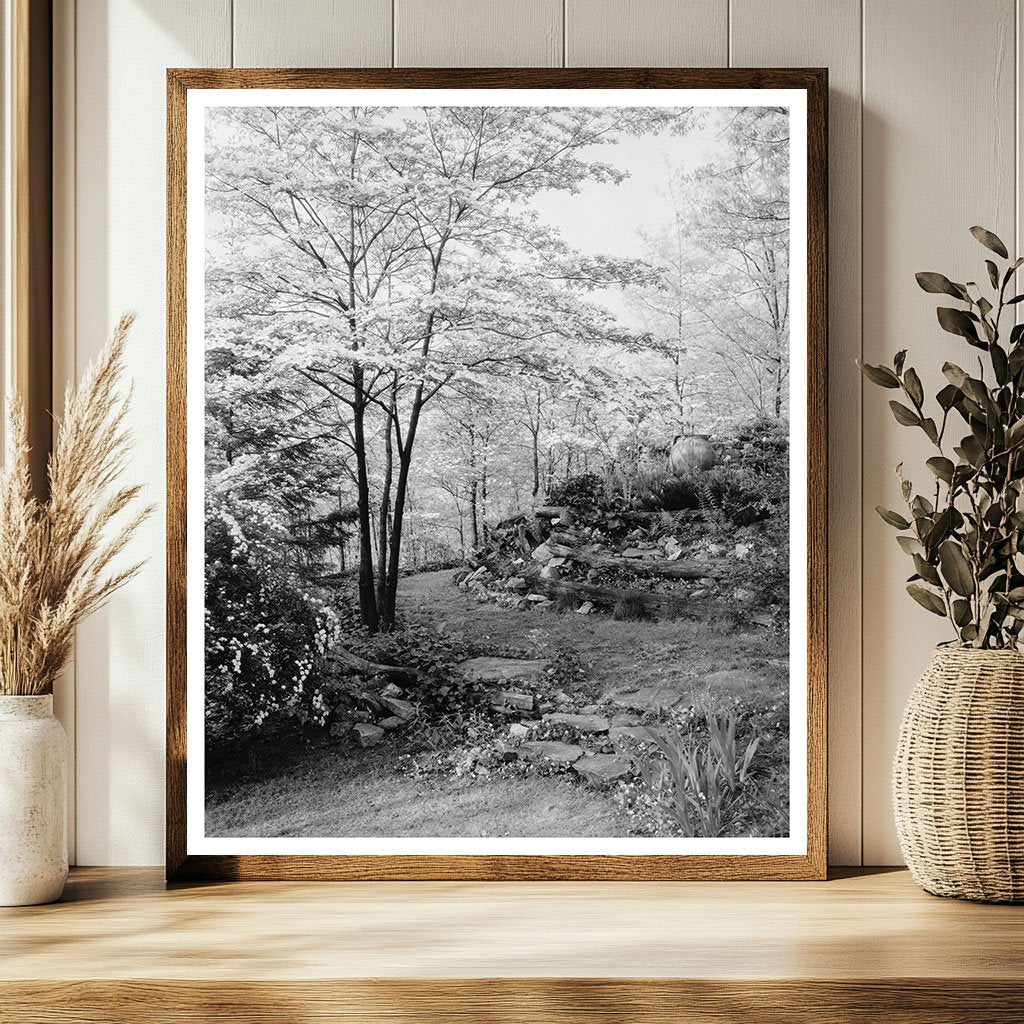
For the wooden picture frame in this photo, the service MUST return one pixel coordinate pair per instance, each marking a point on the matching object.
(809, 864)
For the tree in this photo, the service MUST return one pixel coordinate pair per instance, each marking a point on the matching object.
(385, 255)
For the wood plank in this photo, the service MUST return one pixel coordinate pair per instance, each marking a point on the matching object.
(646, 33)
(870, 945)
(122, 52)
(939, 156)
(467, 33)
(312, 33)
(512, 1001)
(792, 33)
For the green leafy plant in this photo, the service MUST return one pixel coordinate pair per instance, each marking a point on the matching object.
(700, 781)
(965, 531)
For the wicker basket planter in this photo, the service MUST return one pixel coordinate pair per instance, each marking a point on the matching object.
(958, 777)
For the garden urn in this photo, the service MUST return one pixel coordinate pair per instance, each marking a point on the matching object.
(958, 780)
(33, 801)
(691, 453)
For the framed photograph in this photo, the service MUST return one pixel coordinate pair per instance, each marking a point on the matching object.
(496, 474)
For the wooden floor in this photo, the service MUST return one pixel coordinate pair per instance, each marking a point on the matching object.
(862, 947)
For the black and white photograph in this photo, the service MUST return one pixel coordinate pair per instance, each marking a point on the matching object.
(497, 485)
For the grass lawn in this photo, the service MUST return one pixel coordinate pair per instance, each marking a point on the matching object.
(640, 663)
(332, 792)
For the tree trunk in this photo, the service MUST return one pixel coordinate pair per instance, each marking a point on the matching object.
(387, 615)
(385, 508)
(474, 519)
(368, 609)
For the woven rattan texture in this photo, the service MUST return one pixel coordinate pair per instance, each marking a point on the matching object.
(958, 777)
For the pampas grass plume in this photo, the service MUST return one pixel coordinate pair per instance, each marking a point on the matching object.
(57, 556)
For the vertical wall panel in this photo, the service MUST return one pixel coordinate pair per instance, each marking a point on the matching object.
(941, 151)
(312, 33)
(64, 262)
(122, 52)
(468, 33)
(646, 33)
(790, 33)
(939, 156)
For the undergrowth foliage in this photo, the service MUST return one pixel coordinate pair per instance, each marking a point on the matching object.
(266, 639)
(714, 773)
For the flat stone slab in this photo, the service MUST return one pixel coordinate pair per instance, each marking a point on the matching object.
(368, 735)
(603, 768)
(581, 723)
(499, 670)
(554, 751)
(399, 708)
(512, 699)
(734, 679)
(654, 696)
(629, 734)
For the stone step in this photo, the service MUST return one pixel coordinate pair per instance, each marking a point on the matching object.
(500, 670)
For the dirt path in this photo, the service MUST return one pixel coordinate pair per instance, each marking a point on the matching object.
(639, 664)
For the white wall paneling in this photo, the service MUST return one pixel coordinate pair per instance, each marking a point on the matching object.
(468, 33)
(924, 108)
(939, 156)
(789, 33)
(122, 50)
(312, 33)
(646, 33)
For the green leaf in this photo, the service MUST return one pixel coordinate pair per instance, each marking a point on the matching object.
(940, 529)
(926, 598)
(912, 385)
(928, 426)
(942, 467)
(993, 273)
(880, 375)
(973, 451)
(954, 375)
(922, 506)
(984, 306)
(990, 241)
(961, 612)
(911, 545)
(948, 397)
(956, 321)
(926, 571)
(956, 570)
(1015, 434)
(893, 518)
(939, 284)
(1000, 363)
(905, 416)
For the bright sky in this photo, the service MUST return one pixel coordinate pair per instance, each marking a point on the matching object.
(608, 218)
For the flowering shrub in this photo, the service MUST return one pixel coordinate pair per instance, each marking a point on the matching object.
(265, 638)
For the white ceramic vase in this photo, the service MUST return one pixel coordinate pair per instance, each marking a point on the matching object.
(33, 802)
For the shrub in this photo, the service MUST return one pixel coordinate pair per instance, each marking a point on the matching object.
(577, 492)
(264, 641)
